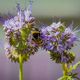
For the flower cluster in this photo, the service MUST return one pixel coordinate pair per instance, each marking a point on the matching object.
(23, 17)
(58, 40)
(18, 32)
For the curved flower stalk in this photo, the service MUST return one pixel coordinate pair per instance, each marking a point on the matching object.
(19, 45)
(58, 41)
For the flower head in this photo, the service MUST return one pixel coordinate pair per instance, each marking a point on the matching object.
(58, 40)
(18, 31)
(56, 25)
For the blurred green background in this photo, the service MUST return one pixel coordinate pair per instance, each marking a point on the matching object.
(49, 8)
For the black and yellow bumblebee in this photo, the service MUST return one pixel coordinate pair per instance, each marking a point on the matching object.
(36, 36)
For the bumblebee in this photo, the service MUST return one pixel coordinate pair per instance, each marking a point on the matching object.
(36, 36)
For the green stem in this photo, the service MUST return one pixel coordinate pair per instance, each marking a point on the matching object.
(20, 68)
(65, 69)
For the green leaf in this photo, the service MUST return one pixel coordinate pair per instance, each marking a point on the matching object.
(76, 65)
(25, 32)
(66, 78)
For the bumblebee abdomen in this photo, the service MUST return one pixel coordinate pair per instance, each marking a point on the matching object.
(36, 35)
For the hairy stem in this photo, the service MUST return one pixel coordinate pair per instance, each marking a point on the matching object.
(20, 68)
(65, 69)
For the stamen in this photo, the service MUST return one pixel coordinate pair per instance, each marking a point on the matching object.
(18, 7)
(30, 5)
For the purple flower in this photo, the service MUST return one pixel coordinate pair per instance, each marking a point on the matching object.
(49, 46)
(64, 59)
(18, 32)
(60, 48)
(56, 33)
(56, 25)
(28, 15)
(57, 39)
(20, 20)
(7, 48)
